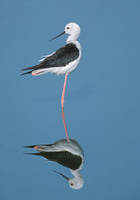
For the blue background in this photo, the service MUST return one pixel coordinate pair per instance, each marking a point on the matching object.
(101, 106)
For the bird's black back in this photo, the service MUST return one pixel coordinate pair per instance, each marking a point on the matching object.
(61, 57)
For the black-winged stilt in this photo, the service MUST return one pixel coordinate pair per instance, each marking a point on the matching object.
(69, 154)
(64, 60)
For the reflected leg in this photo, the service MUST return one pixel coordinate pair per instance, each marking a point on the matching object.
(63, 117)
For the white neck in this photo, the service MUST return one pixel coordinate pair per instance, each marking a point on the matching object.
(72, 38)
(76, 173)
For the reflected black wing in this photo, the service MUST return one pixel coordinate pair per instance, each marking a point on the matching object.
(64, 158)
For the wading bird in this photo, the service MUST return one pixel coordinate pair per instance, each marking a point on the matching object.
(64, 60)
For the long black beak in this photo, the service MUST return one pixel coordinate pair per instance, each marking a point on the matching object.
(61, 175)
(57, 36)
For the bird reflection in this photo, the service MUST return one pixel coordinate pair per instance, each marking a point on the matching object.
(69, 154)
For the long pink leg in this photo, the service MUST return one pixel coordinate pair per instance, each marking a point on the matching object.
(63, 117)
(63, 93)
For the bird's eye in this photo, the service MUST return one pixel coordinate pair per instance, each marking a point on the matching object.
(71, 184)
(68, 27)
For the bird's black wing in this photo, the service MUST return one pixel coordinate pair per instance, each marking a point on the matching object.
(60, 58)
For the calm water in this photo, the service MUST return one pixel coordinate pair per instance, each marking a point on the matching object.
(102, 109)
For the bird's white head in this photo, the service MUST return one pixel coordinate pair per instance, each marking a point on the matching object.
(73, 30)
(76, 183)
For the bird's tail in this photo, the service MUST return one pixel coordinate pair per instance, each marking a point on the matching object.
(35, 71)
(31, 146)
(31, 69)
(33, 154)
